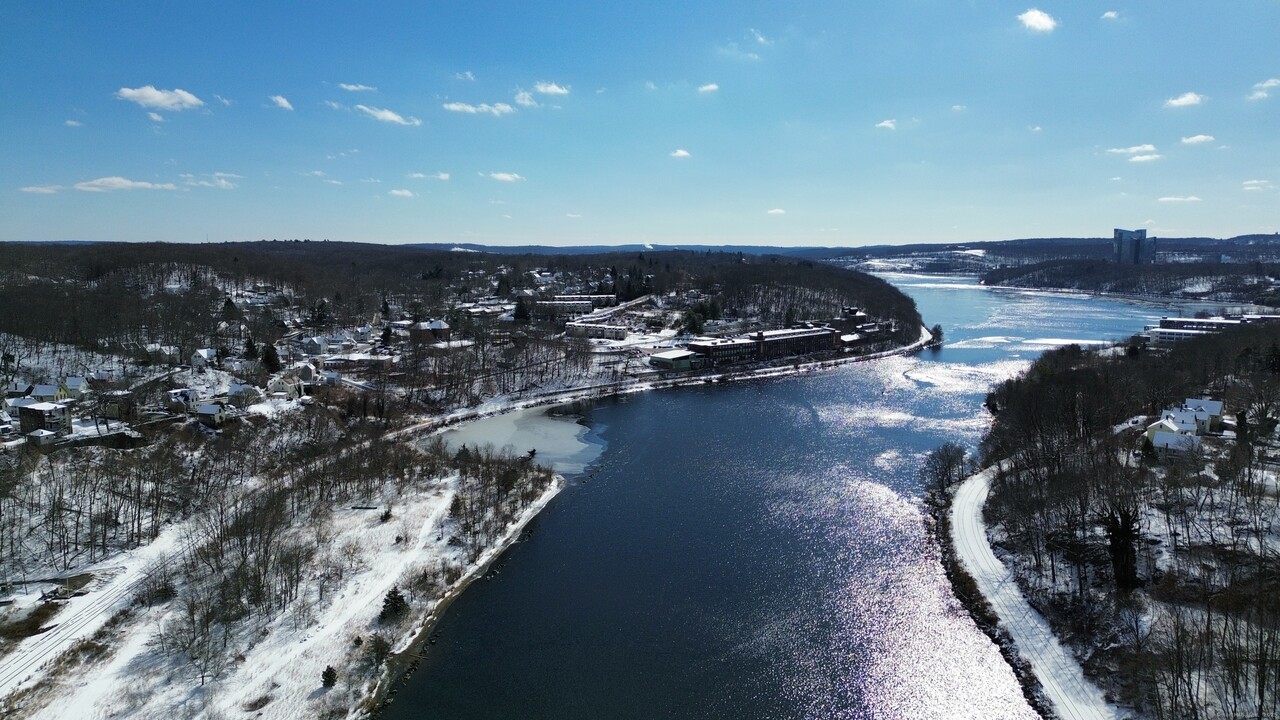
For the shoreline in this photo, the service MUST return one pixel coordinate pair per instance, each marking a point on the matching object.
(1062, 682)
(402, 665)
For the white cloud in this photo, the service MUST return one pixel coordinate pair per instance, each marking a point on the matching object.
(777, 211)
(506, 177)
(888, 124)
(573, 216)
(384, 115)
(219, 180)
(1249, 185)
(441, 176)
(680, 153)
(1117, 178)
(650, 85)
(281, 102)
(370, 180)
(708, 88)
(73, 123)
(357, 88)
(550, 88)
(1197, 139)
(115, 182)
(1038, 20)
(1179, 199)
(41, 189)
(1035, 128)
(1150, 157)
(1111, 15)
(759, 37)
(335, 105)
(316, 173)
(524, 98)
(149, 97)
(958, 108)
(1147, 148)
(155, 116)
(417, 175)
(465, 75)
(1186, 99)
(1260, 90)
(496, 110)
(401, 193)
(732, 50)
(223, 100)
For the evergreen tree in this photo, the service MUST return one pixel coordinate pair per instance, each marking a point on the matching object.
(270, 358)
(250, 349)
(394, 605)
(329, 677)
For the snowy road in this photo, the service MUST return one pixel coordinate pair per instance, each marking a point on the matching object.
(1073, 697)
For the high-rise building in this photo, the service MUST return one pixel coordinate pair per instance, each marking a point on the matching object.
(1133, 247)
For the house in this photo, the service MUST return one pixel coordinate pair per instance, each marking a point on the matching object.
(54, 417)
(182, 399)
(430, 331)
(42, 437)
(47, 393)
(1171, 424)
(1174, 442)
(118, 405)
(75, 386)
(211, 414)
(315, 345)
(157, 353)
(239, 366)
(363, 333)
(203, 358)
(18, 389)
(6, 423)
(1213, 407)
(332, 378)
(285, 387)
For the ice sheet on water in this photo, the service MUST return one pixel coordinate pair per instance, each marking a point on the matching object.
(562, 442)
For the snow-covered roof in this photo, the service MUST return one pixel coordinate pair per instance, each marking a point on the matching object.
(207, 353)
(674, 355)
(209, 409)
(1214, 407)
(1174, 441)
(46, 407)
(41, 433)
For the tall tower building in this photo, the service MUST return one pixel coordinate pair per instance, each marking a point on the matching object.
(1133, 247)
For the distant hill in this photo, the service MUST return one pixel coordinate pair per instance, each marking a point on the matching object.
(807, 252)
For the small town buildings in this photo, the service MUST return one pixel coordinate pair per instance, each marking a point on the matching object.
(595, 300)
(595, 330)
(1213, 407)
(211, 414)
(1175, 442)
(47, 393)
(722, 350)
(42, 437)
(75, 386)
(315, 345)
(430, 331)
(285, 387)
(182, 399)
(561, 308)
(118, 405)
(203, 358)
(18, 389)
(54, 417)
(674, 360)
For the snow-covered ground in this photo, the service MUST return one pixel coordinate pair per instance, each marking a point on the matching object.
(1073, 697)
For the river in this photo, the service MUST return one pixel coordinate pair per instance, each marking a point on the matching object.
(755, 549)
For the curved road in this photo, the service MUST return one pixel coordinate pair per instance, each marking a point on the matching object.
(1073, 697)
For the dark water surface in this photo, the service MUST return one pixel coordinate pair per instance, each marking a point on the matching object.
(757, 550)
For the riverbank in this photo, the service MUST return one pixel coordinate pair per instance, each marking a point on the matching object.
(1064, 685)
(403, 664)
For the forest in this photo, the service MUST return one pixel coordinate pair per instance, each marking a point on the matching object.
(1222, 282)
(1162, 569)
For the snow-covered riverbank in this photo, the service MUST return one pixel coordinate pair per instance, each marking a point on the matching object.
(1072, 695)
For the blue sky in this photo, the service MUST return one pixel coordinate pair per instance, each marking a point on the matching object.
(801, 123)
